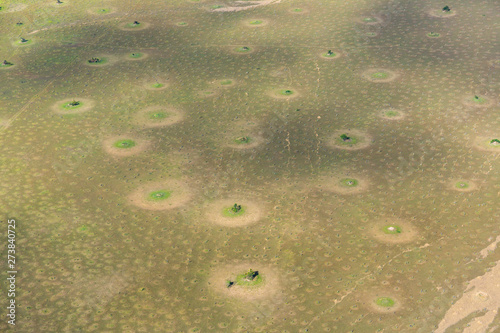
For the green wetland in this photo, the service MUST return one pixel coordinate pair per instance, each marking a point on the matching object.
(155, 152)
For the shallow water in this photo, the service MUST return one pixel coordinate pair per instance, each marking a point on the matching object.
(90, 260)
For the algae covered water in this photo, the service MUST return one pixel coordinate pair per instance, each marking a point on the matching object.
(251, 166)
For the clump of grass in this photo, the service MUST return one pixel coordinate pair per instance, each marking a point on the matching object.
(286, 92)
(125, 144)
(349, 182)
(235, 210)
(159, 195)
(433, 34)
(478, 99)
(72, 105)
(495, 142)
(6, 63)
(461, 185)
(243, 140)
(380, 75)
(243, 49)
(249, 278)
(386, 302)
(256, 22)
(392, 229)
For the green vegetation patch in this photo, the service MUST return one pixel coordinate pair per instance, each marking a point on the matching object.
(157, 85)
(297, 10)
(226, 82)
(159, 195)
(433, 34)
(136, 55)
(250, 278)
(216, 6)
(349, 182)
(103, 11)
(391, 113)
(24, 41)
(386, 302)
(348, 140)
(243, 140)
(233, 211)
(392, 229)
(286, 92)
(478, 99)
(462, 185)
(495, 143)
(96, 61)
(124, 144)
(370, 20)
(6, 63)
(72, 105)
(157, 115)
(182, 24)
(133, 25)
(380, 75)
(329, 54)
(256, 22)
(243, 49)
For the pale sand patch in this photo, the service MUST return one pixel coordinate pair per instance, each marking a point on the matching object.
(490, 248)
(214, 212)
(483, 292)
(174, 116)
(335, 183)
(275, 93)
(468, 101)
(483, 143)
(440, 14)
(143, 25)
(269, 289)
(454, 184)
(408, 232)
(334, 141)
(14, 7)
(368, 300)
(140, 145)
(179, 195)
(400, 114)
(392, 75)
(249, 5)
(88, 104)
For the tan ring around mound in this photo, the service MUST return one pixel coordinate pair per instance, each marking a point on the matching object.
(452, 184)
(333, 183)
(367, 75)
(180, 195)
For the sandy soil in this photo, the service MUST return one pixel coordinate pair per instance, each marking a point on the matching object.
(440, 14)
(364, 140)
(482, 292)
(409, 232)
(490, 248)
(249, 5)
(180, 195)
(88, 104)
(269, 289)
(140, 145)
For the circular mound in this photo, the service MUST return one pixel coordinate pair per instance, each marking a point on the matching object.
(23, 42)
(488, 143)
(462, 185)
(442, 13)
(208, 93)
(349, 139)
(6, 64)
(255, 23)
(393, 231)
(221, 212)
(330, 54)
(161, 195)
(73, 105)
(284, 93)
(245, 142)
(433, 34)
(243, 49)
(391, 114)
(342, 184)
(370, 20)
(136, 56)
(134, 26)
(298, 11)
(97, 61)
(232, 281)
(158, 116)
(101, 10)
(371, 34)
(156, 85)
(182, 24)
(124, 145)
(379, 75)
(477, 101)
